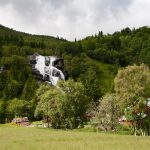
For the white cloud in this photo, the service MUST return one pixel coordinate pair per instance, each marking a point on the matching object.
(73, 18)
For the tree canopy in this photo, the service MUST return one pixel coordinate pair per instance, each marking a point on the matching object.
(65, 106)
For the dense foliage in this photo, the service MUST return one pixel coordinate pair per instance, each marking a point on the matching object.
(105, 114)
(93, 62)
(64, 106)
(130, 101)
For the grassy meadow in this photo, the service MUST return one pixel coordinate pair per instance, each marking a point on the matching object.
(27, 138)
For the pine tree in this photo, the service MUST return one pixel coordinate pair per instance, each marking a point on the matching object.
(29, 89)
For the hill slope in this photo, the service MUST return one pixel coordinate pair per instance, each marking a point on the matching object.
(94, 61)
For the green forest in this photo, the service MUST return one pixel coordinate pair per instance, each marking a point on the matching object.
(109, 77)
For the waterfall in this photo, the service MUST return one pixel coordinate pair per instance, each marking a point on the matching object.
(47, 66)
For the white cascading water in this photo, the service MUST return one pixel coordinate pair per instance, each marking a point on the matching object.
(45, 65)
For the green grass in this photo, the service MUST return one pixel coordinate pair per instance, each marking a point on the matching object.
(23, 138)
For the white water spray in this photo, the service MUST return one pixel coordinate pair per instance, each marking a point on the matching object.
(46, 66)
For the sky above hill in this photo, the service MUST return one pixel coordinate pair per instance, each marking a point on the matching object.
(73, 18)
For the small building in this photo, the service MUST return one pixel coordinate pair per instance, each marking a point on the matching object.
(24, 121)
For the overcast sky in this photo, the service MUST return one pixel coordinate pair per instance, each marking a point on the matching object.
(73, 18)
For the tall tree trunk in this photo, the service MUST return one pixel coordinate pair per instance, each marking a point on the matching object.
(135, 129)
(148, 129)
(48, 122)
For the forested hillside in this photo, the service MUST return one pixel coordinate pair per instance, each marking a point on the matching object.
(94, 61)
